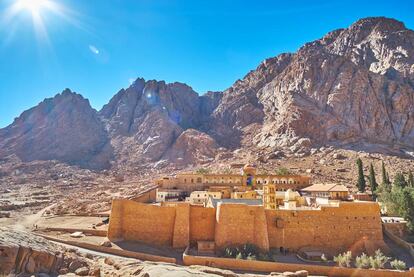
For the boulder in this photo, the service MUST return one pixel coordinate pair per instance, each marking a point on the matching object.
(82, 271)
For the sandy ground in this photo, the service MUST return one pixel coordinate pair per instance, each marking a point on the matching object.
(74, 222)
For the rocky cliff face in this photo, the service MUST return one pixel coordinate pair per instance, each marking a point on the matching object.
(150, 116)
(63, 128)
(352, 88)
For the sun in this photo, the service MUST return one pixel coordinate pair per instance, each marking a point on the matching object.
(34, 6)
(38, 10)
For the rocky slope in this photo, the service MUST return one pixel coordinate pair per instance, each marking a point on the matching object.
(353, 86)
(63, 128)
(25, 254)
(351, 89)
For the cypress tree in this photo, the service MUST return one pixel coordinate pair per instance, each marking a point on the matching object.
(399, 180)
(372, 181)
(410, 179)
(407, 208)
(385, 178)
(361, 179)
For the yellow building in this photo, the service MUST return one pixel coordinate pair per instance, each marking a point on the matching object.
(330, 191)
(249, 194)
(273, 198)
(247, 179)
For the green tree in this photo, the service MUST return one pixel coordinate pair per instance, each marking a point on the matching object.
(399, 180)
(386, 184)
(407, 207)
(410, 179)
(372, 181)
(282, 171)
(203, 170)
(361, 178)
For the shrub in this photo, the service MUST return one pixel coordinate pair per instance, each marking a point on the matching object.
(249, 249)
(362, 261)
(267, 257)
(239, 256)
(399, 265)
(203, 170)
(344, 259)
(282, 171)
(378, 260)
(230, 252)
(251, 257)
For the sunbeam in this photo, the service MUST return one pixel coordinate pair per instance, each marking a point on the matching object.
(38, 10)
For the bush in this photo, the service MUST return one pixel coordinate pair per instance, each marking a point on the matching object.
(362, 261)
(344, 259)
(267, 257)
(399, 265)
(249, 249)
(203, 170)
(230, 252)
(282, 171)
(378, 260)
(239, 256)
(251, 258)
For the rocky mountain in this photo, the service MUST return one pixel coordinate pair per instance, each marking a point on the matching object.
(63, 128)
(353, 88)
(150, 117)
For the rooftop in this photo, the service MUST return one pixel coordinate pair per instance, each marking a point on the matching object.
(252, 202)
(326, 188)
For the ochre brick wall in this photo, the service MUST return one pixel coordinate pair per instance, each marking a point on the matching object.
(202, 223)
(141, 222)
(181, 237)
(147, 196)
(236, 224)
(352, 225)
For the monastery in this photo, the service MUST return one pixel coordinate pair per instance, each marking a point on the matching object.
(270, 211)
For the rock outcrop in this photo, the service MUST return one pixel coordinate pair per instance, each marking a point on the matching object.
(22, 252)
(192, 147)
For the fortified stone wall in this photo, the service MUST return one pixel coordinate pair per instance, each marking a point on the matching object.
(135, 221)
(202, 223)
(240, 224)
(352, 225)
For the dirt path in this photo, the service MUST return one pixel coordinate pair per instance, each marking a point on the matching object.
(27, 222)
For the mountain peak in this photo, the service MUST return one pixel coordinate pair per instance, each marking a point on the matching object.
(380, 23)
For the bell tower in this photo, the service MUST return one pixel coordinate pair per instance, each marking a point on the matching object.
(249, 173)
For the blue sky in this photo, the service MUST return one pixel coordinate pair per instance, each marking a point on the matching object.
(95, 47)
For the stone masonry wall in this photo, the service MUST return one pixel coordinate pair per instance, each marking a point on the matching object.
(202, 223)
(352, 225)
